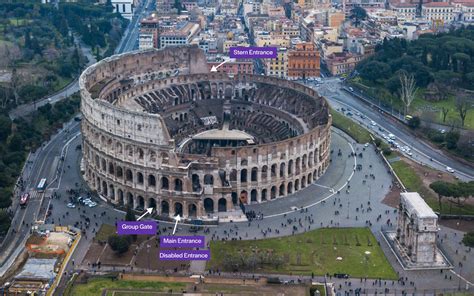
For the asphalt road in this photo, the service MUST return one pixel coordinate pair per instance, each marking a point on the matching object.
(331, 88)
(45, 162)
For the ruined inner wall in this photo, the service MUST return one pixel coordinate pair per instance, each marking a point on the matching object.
(131, 158)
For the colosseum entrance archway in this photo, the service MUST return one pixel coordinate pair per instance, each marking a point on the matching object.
(165, 208)
(178, 209)
(222, 205)
(192, 211)
(120, 196)
(209, 205)
(152, 203)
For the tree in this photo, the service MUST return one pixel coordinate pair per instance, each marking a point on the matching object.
(130, 216)
(452, 138)
(407, 89)
(119, 244)
(5, 127)
(414, 122)
(463, 105)
(442, 189)
(468, 239)
(357, 14)
(375, 70)
(445, 112)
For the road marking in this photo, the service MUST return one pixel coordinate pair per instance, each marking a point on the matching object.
(324, 199)
(461, 277)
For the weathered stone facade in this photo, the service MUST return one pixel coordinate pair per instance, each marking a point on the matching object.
(417, 228)
(140, 109)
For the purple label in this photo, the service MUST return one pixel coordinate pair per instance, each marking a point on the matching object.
(136, 227)
(253, 52)
(182, 241)
(185, 255)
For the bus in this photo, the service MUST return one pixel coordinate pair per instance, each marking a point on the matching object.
(24, 199)
(41, 185)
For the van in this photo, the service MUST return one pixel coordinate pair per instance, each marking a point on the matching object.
(392, 136)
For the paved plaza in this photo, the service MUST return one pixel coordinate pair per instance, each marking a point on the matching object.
(358, 204)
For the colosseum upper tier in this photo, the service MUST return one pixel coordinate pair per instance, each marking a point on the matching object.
(160, 131)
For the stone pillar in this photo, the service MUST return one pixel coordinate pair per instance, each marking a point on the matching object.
(185, 209)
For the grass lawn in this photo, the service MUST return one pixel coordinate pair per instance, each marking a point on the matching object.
(360, 134)
(413, 182)
(420, 104)
(61, 83)
(104, 232)
(94, 287)
(315, 251)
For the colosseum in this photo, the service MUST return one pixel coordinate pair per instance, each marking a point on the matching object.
(159, 130)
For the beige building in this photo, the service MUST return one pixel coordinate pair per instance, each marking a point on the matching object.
(342, 63)
(277, 67)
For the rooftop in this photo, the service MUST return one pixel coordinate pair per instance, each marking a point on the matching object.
(416, 204)
(224, 134)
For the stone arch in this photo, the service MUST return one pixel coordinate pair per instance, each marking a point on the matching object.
(141, 203)
(290, 167)
(152, 156)
(243, 175)
(104, 188)
(152, 203)
(192, 210)
(120, 196)
(290, 188)
(141, 154)
(165, 208)
(178, 184)
(253, 174)
(273, 170)
(264, 194)
(304, 162)
(310, 178)
(310, 159)
(139, 178)
(282, 190)
(243, 162)
(222, 205)
(119, 172)
(119, 147)
(209, 179)
(111, 191)
(178, 209)
(130, 200)
(129, 175)
(129, 149)
(253, 195)
(196, 183)
(297, 185)
(151, 180)
(165, 183)
(282, 169)
(104, 165)
(111, 168)
(273, 192)
(303, 182)
(208, 205)
(297, 165)
(243, 196)
(264, 172)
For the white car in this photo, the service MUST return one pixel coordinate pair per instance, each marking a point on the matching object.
(410, 153)
(366, 145)
(91, 205)
(449, 169)
(392, 136)
(373, 123)
(71, 205)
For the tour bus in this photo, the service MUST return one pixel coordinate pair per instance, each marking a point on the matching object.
(24, 199)
(41, 185)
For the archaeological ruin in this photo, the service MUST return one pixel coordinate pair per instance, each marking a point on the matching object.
(160, 131)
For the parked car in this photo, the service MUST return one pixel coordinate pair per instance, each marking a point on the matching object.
(449, 169)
